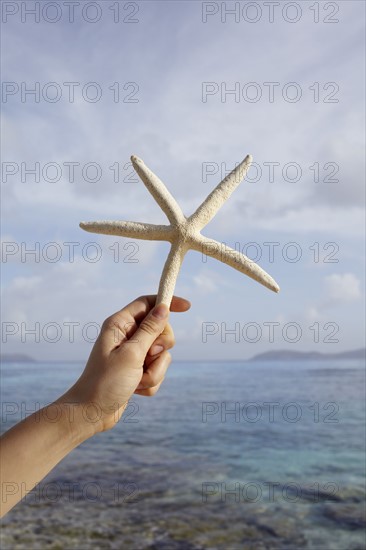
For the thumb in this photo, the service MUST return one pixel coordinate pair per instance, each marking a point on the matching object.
(151, 327)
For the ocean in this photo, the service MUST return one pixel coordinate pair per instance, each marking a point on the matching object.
(228, 455)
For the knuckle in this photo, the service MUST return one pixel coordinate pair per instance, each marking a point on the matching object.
(169, 341)
(149, 326)
(151, 391)
(107, 323)
(111, 325)
(151, 379)
(144, 299)
(141, 298)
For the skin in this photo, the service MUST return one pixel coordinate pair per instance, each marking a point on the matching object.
(130, 356)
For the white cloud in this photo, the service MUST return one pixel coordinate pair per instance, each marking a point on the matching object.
(175, 132)
(206, 282)
(342, 288)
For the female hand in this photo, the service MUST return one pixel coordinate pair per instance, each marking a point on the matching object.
(129, 356)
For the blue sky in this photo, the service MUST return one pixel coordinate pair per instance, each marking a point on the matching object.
(166, 61)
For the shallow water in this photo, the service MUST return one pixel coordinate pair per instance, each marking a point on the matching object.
(226, 456)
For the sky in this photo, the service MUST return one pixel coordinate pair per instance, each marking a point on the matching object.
(190, 87)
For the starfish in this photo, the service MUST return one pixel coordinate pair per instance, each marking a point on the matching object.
(185, 233)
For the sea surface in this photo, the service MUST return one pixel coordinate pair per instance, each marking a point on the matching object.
(227, 455)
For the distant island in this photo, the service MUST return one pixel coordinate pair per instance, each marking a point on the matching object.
(279, 355)
(290, 355)
(16, 358)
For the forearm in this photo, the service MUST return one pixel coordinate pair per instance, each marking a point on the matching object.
(33, 447)
(114, 372)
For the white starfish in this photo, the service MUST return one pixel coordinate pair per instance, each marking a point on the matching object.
(184, 233)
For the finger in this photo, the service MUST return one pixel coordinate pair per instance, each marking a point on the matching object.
(140, 307)
(115, 330)
(165, 341)
(150, 391)
(155, 372)
(120, 326)
(178, 304)
(150, 328)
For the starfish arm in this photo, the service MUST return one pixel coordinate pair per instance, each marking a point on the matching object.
(212, 204)
(233, 258)
(170, 274)
(134, 230)
(158, 190)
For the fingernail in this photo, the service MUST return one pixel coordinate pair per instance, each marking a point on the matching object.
(156, 349)
(160, 311)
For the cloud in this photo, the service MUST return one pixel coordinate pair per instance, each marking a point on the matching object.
(169, 54)
(342, 289)
(205, 282)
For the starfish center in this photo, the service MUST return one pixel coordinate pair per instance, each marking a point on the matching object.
(187, 231)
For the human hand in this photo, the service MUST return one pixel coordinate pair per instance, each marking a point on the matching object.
(129, 356)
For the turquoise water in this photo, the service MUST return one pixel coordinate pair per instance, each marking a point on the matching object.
(225, 456)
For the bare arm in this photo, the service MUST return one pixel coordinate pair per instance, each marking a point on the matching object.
(130, 356)
(33, 447)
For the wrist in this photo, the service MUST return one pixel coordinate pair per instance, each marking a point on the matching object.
(78, 423)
